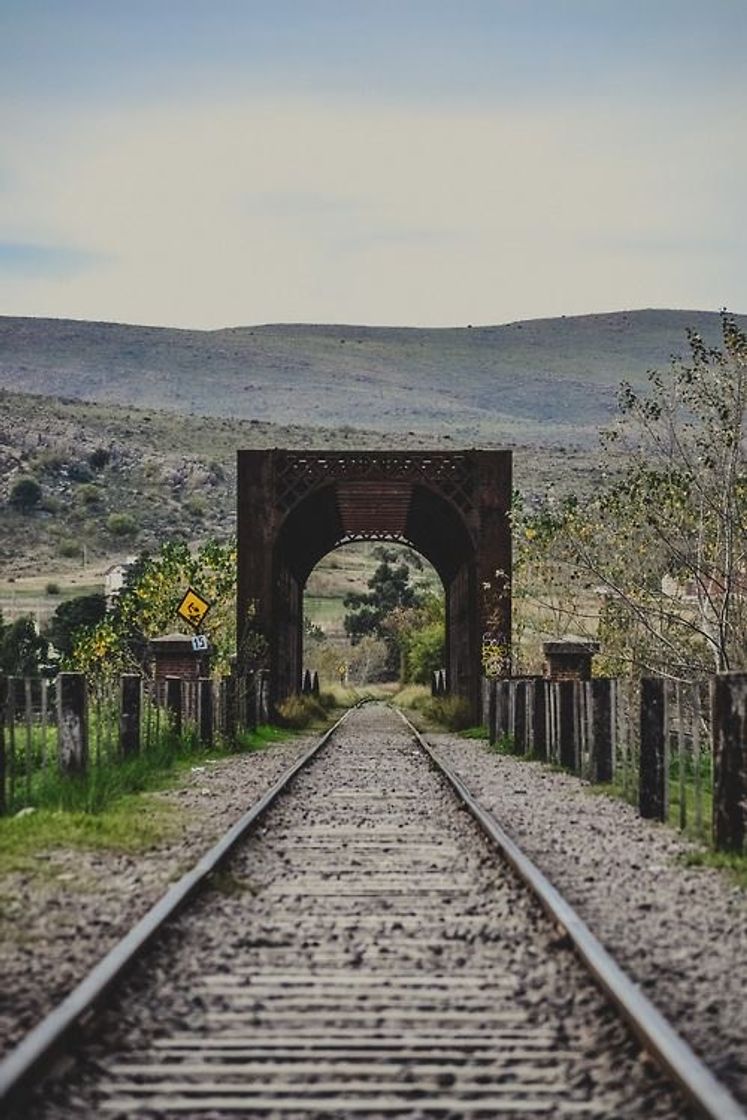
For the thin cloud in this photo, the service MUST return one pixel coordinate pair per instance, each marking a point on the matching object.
(19, 259)
(306, 210)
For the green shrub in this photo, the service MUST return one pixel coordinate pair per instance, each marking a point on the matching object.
(25, 494)
(89, 494)
(121, 525)
(52, 588)
(196, 505)
(413, 696)
(337, 697)
(99, 458)
(300, 711)
(69, 548)
(79, 472)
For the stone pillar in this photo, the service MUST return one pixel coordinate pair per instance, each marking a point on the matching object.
(174, 655)
(569, 661)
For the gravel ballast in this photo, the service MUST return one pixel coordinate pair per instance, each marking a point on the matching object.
(56, 924)
(364, 953)
(680, 932)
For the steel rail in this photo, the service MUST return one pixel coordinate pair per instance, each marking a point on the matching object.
(656, 1035)
(45, 1040)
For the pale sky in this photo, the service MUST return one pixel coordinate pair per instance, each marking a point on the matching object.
(207, 163)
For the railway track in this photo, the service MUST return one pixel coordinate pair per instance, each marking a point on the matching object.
(361, 952)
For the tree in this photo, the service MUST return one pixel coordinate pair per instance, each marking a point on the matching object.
(423, 641)
(72, 616)
(25, 494)
(146, 607)
(22, 649)
(665, 538)
(375, 613)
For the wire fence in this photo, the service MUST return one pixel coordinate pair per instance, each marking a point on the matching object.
(70, 726)
(675, 750)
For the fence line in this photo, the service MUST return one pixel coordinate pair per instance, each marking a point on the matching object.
(72, 726)
(677, 751)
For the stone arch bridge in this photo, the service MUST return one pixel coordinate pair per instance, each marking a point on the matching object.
(450, 506)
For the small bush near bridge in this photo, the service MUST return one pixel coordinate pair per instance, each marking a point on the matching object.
(452, 711)
(301, 711)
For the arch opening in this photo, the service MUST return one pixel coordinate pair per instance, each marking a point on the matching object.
(373, 612)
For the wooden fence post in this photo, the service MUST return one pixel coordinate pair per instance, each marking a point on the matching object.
(174, 690)
(130, 701)
(72, 723)
(3, 764)
(652, 791)
(729, 730)
(540, 699)
(602, 764)
(492, 712)
(205, 710)
(520, 717)
(502, 711)
(231, 713)
(567, 746)
(250, 687)
(262, 679)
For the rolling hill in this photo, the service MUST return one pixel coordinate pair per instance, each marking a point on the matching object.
(547, 382)
(170, 407)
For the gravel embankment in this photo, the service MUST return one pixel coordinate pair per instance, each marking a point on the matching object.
(58, 923)
(681, 932)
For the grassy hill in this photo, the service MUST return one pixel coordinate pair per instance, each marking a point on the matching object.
(546, 381)
(168, 476)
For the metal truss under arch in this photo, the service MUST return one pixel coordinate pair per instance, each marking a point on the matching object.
(451, 507)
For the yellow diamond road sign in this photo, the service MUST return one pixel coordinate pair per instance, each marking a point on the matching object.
(193, 607)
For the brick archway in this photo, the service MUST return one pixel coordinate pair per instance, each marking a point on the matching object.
(452, 507)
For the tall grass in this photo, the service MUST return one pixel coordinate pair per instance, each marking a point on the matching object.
(450, 711)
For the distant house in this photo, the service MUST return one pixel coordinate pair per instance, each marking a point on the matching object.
(684, 590)
(114, 578)
(687, 590)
